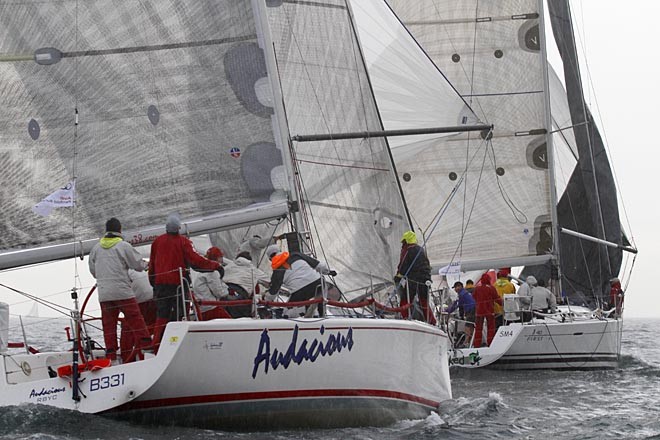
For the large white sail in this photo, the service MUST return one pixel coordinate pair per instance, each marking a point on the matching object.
(496, 185)
(351, 201)
(170, 115)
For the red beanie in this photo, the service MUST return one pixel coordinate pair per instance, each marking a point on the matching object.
(213, 253)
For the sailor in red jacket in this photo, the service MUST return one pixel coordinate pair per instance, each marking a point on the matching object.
(485, 297)
(616, 296)
(169, 253)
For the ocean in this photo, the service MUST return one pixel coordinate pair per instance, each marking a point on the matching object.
(622, 404)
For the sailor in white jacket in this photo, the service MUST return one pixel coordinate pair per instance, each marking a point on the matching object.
(242, 275)
(109, 262)
(208, 286)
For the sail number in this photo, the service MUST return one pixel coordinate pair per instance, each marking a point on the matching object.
(104, 382)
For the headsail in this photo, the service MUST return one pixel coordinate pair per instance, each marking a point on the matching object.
(171, 106)
(495, 185)
(352, 204)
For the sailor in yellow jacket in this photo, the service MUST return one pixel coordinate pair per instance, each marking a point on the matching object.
(503, 286)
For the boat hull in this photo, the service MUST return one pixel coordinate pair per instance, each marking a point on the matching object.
(550, 344)
(259, 374)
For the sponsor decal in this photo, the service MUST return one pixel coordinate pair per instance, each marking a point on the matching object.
(212, 345)
(472, 358)
(46, 394)
(299, 352)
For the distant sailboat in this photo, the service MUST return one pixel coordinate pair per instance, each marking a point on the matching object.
(500, 198)
(34, 310)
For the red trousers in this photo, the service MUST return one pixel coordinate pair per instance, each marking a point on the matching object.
(421, 291)
(479, 327)
(215, 313)
(127, 343)
(132, 320)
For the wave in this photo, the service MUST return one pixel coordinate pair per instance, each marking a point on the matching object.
(30, 421)
(638, 366)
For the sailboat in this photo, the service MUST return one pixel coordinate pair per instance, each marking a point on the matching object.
(536, 191)
(141, 108)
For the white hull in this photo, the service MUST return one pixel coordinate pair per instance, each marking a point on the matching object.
(252, 374)
(548, 344)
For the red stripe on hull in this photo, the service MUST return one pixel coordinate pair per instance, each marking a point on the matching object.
(220, 398)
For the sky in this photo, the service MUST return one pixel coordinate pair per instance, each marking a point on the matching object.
(622, 66)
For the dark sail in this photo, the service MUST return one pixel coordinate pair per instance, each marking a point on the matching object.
(589, 203)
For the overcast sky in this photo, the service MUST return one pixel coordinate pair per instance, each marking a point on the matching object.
(621, 44)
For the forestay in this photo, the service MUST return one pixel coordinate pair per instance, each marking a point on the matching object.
(173, 114)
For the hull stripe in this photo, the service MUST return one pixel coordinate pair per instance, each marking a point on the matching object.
(293, 394)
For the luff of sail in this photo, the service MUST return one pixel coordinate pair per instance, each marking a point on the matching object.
(501, 210)
(170, 115)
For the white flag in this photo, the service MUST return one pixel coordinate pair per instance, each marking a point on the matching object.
(452, 269)
(64, 196)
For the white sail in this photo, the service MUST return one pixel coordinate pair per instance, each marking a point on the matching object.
(350, 192)
(152, 109)
(501, 208)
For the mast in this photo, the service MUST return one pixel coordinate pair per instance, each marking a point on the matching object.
(555, 262)
(280, 126)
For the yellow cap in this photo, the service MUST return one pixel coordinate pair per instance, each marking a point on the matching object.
(409, 237)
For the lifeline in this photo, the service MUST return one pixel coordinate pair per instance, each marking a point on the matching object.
(334, 343)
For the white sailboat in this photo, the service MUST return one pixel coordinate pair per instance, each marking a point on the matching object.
(535, 192)
(147, 108)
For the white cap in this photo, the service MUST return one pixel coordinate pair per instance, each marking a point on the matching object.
(272, 250)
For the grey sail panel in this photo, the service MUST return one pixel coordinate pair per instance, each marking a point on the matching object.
(169, 116)
(490, 52)
(589, 203)
(352, 205)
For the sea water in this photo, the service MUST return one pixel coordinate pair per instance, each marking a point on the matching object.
(622, 404)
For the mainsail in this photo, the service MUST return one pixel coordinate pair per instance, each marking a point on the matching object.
(486, 198)
(162, 106)
(152, 106)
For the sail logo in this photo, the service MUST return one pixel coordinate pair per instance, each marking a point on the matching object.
(299, 352)
(45, 395)
(235, 152)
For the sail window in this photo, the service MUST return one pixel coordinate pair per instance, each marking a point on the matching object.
(33, 129)
(153, 114)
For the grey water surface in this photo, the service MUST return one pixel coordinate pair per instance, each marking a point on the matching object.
(622, 404)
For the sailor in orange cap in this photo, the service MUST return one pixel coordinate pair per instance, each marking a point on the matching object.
(300, 274)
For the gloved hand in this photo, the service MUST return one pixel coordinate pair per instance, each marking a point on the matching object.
(332, 273)
(403, 282)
